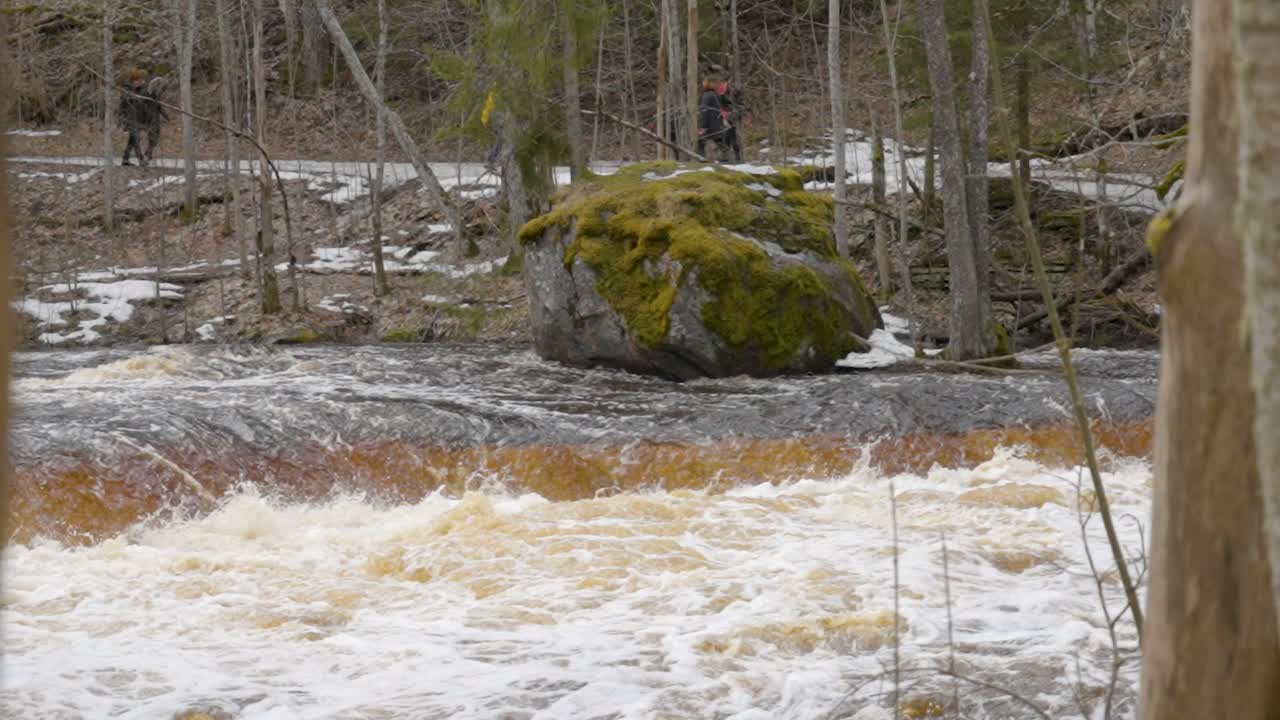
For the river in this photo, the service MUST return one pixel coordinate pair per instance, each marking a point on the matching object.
(451, 531)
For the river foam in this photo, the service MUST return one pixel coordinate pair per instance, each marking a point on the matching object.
(762, 601)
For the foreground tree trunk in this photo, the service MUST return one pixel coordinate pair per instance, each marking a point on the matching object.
(837, 125)
(1258, 224)
(428, 178)
(972, 334)
(1211, 649)
(879, 195)
(185, 39)
(7, 330)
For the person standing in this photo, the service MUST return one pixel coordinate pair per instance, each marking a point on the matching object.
(153, 114)
(131, 114)
(731, 114)
(710, 121)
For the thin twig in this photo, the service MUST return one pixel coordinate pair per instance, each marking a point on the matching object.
(897, 633)
(1064, 343)
(644, 131)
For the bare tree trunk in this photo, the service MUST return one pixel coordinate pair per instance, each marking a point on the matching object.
(631, 77)
(380, 286)
(979, 134)
(230, 80)
(661, 123)
(315, 45)
(290, 14)
(884, 265)
(837, 125)
(572, 91)
(184, 29)
(904, 261)
(1023, 71)
(1211, 649)
(735, 60)
(270, 288)
(692, 82)
(599, 96)
(968, 321)
(108, 120)
(398, 129)
(1257, 31)
(8, 331)
(930, 189)
(677, 109)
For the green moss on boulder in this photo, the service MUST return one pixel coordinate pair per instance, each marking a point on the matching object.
(710, 271)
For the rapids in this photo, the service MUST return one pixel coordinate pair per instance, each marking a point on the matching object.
(469, 532)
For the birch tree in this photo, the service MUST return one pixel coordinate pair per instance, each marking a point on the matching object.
(428, 178)
(1211, 648)
(834, 72)
(184, 29)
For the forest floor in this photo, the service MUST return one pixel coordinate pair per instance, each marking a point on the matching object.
(79, 284)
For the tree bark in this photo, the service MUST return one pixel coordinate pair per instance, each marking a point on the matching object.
(269, 289)
(884, 266)
(968, 323)
(1023, 111)
(677, 111)
(661, 123)
(572, 91)
(380, 286)
(230, 80)
(290, 14)
(315, 45)
(693, 79)
(837, 126)
(398, 129)
(904, 261)
(108, 120)
(1257, 31)
(185, 39)
(736, 58)
(1211, 649)
(979, 138)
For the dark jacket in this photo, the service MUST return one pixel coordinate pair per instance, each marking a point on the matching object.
(140, 109)
(710, 122)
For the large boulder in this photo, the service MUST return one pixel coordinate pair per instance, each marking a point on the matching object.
(693, 271)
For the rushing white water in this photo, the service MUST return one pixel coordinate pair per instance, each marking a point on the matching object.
(769, 601)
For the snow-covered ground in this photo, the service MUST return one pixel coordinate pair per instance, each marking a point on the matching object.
(1123, 189)
(96, 304)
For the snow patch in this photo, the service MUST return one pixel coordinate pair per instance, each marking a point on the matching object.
(105, 301)
(23, 132)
